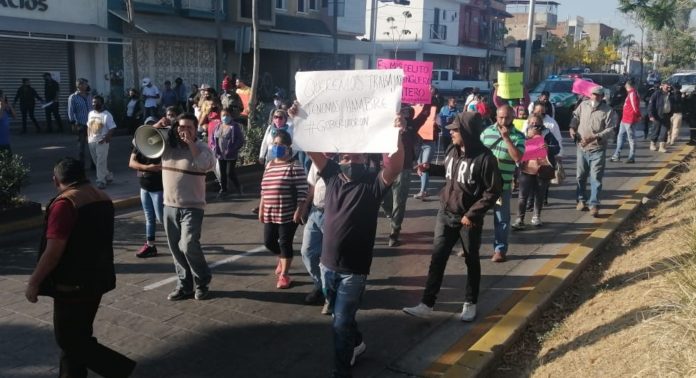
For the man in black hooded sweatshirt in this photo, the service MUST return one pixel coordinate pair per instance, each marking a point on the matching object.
(473, 184)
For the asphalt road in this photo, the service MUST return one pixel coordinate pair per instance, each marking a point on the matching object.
(249, 328)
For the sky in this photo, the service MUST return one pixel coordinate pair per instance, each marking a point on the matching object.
(603, 11)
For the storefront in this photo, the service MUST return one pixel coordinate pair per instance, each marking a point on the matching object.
(67, 38)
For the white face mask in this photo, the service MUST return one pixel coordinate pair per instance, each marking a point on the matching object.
(593, 103)
(276, 103)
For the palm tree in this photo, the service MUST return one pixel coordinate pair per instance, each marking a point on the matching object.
(657, 14)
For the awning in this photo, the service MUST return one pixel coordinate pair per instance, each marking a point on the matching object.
(178, 26)
(13, 27)
(314, 44)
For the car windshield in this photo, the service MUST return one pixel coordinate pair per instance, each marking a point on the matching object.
(558, 86)
(684, 79)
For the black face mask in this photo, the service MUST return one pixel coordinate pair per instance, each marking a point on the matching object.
(353, 171)
(98, 107)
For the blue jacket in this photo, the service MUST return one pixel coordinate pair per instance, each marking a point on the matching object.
(232, 142)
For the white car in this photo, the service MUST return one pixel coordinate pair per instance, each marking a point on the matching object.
(687, 80)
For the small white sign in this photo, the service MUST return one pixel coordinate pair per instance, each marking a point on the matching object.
(348, 111)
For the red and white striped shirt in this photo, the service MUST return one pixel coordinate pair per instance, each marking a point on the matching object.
(283, 187)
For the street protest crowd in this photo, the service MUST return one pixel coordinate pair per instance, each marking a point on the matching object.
(491, 148)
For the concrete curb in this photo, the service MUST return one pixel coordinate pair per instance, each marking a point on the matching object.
(250, 174)
(489, 348)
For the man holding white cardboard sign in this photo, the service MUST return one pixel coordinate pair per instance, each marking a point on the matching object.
(347, 111)
(353, 194)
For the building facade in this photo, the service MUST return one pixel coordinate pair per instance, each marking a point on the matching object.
(466, 37)
(67, 38)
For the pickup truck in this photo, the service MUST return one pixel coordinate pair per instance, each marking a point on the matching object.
(450, 82)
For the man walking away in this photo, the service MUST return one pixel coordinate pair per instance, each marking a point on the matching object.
(630, 117)
(592, 123)
(26, 96)
(51, 89)
(79, 106)
(473, 184)
(76, 267)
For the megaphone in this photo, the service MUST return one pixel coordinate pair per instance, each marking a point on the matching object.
(151, 141)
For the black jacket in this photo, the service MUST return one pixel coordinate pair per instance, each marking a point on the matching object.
(473, 182)
(656, 105)
(26, 96)
(51, 89)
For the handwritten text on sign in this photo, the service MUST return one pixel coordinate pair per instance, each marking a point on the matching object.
(347, 111)
(417, 78)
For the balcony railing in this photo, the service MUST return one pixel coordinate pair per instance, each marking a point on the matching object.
(438, 32)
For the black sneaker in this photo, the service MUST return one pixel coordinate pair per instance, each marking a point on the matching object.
(147, 251)
(202, 293)
(314, 297)
(179, 294)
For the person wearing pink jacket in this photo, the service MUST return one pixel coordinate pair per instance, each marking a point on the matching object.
(631, 116)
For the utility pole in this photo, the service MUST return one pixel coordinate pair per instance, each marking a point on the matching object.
(134, 46)
(528, 49)
(217, 12)
(373, 34)
(642, 28)
(255, 69)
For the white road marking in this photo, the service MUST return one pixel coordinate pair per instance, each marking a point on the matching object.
(211, 265)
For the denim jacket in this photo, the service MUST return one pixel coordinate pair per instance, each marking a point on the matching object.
(231, 142)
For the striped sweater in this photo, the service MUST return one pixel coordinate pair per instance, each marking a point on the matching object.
(183, 177)
(283, 187)
(491, 139)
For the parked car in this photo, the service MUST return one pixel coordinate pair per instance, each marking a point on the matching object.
(448, 82)
(687, 80)
(562, 97)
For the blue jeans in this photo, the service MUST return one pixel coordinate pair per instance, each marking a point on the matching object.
(501, 222)
(183, 228)
(592, 164)
(344, 292)
(153, 207)
(427, 150)
(312, 238)
(629, 131)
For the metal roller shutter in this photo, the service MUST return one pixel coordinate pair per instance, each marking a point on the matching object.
(21, 58)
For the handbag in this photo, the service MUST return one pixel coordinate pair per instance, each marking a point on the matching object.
(541, 168)
(560, 174)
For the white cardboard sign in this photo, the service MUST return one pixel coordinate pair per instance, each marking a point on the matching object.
(348, 111)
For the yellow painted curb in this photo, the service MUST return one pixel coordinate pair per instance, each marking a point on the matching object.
(491, 345)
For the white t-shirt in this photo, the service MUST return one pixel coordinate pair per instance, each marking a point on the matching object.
(319, 186)
(150, 91)
(98, 125)
(130, 108)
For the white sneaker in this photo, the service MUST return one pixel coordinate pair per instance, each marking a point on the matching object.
(357, 351)
(468, 312)
(420, 311)
(536, 221)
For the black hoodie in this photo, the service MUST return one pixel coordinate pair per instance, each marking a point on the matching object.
(473, 179)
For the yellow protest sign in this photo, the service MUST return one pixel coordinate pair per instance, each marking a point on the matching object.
(510, 85)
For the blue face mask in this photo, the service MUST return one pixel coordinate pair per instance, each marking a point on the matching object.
(227, 120)
(278, 151)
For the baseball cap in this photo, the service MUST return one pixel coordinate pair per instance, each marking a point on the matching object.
(146, 81)
(598, 90)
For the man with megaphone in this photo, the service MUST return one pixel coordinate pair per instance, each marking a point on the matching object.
(185, 162)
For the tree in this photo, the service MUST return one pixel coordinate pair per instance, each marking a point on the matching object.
(397, 33)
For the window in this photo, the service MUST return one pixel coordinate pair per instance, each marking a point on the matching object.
(313, 5)
(280, 4)
(301, 6)
(264, 9)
